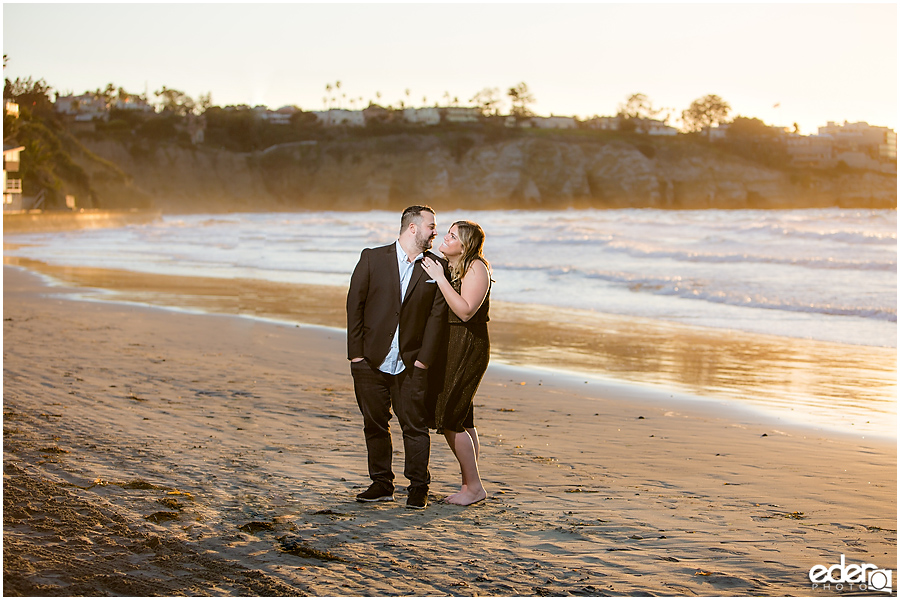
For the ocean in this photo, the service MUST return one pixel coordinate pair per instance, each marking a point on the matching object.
(788, 312)
(828, 274)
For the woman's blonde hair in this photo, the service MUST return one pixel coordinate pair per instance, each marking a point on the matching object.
(471, 236)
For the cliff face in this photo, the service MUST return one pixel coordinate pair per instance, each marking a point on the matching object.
(462, 170)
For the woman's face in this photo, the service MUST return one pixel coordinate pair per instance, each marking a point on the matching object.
(451, 246)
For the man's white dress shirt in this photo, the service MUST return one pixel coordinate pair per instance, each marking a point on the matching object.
(393, 364)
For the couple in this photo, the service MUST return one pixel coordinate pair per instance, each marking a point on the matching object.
(416, 320)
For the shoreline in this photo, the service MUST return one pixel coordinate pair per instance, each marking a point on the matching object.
(652, 394)
(42, 221)
(148, 451)
(837, 386)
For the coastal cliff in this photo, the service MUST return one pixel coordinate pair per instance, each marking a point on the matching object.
(467, 170)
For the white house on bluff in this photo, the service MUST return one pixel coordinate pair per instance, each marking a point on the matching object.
(340, 116)
(429, 115)
(85, 107)
(12, 185)
(554, 122)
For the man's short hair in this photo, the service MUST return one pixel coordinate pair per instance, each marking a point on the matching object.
(413, 213)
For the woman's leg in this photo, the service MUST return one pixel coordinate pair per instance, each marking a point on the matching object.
(469, 426)
(473, 433)
(463, 447)
(451, 441)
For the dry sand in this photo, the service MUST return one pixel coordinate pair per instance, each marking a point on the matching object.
(148, 451)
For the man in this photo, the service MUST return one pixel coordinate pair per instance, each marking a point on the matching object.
(396, 323)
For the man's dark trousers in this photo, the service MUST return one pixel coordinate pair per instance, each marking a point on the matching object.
(376, 394)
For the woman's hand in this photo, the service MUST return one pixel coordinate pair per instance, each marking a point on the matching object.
(434, 269)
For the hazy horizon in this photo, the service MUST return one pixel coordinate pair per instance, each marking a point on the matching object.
(784, 64)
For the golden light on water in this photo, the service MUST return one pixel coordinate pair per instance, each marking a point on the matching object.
(825, 383)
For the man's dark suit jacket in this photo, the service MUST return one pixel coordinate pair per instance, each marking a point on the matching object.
(374, 310)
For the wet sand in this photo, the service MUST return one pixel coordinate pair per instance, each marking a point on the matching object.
(149, 451)
(848, 388)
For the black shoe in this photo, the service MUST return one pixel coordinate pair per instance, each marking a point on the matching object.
(377, 492)
(418, 498)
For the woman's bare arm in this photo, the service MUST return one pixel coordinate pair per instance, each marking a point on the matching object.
(473, 291)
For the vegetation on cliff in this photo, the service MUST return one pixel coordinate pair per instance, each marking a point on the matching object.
(55, 162)
(243, 162)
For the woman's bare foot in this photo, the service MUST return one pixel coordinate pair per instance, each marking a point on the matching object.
(462, 490)
(465, 498)
(452, 496)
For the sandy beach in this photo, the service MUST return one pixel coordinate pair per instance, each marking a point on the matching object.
(158, 452)
(851, 388)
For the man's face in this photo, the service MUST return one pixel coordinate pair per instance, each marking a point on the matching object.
(425, 231)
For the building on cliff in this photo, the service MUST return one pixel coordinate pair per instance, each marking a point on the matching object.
(12, 184)
(460, 114)
(641, 125)
(879, 143)
(809, 150)
(434, 115)
(85, 107)
(857, 145)
(282, 116)
(603, 123)
(554, 122)
(428, 115)
(340, 116)
(719, 131)
(89, 107)
(655, 127)
(131, 102)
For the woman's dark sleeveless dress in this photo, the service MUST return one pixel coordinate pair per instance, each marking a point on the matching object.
(468, 353)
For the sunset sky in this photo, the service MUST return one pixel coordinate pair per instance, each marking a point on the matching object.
(803, 63)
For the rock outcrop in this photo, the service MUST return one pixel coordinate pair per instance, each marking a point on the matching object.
(465, 170)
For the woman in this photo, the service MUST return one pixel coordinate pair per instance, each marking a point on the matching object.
(467, 295)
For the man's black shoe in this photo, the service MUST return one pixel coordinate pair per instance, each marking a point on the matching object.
(377, 492)
(418, 498)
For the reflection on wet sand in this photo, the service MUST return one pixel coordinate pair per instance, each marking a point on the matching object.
(816, 379)
(822, 382)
